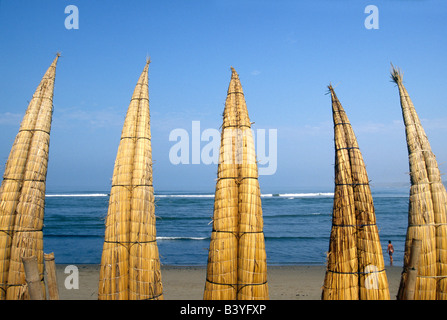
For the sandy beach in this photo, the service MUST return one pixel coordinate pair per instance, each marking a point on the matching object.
(298, 282)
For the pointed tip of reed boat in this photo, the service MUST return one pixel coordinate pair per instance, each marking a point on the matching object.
(234, 74)
(396, 74)
(58, 55)
(331, 91)
(331, 88)
(146, 67)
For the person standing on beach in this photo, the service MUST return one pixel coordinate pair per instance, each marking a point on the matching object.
(390, 251)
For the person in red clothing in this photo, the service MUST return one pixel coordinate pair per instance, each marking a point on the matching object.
(390, 251)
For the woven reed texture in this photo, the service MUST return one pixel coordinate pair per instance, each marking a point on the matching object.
(22, 193)
(130, 264)
(237, 261)
(427, 215)
(355, 265)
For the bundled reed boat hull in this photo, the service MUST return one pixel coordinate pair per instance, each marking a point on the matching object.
(427, 215)
(237, 263)
(355, 266)
(22, 193)
(130, 265)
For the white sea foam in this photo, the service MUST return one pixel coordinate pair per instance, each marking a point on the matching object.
(266, 195)
(78, 195)
(184, 195)
(319, 194)
(181, 238)
(284, 195)
(300, 195)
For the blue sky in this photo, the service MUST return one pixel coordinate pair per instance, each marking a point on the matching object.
(286, 53)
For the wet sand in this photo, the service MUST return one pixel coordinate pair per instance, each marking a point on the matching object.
(298, 282)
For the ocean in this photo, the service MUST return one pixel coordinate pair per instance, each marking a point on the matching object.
(297, 226)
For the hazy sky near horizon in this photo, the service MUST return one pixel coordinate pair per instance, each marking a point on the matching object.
(285, 52)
